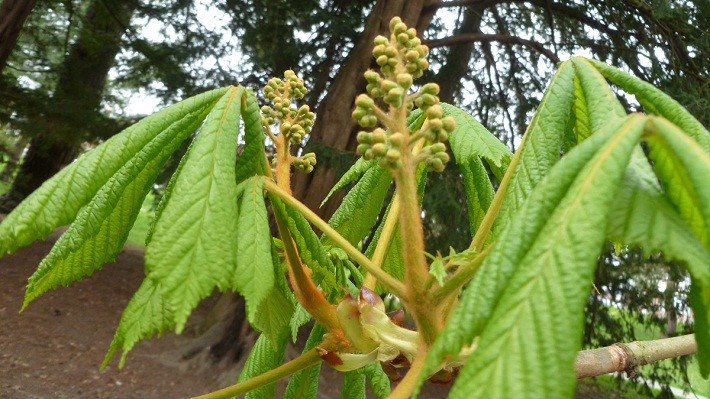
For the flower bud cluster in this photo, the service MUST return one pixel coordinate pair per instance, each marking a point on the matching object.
(403, 46)
(295, 123)
(436, 131)
(379, 145)
(305, 162)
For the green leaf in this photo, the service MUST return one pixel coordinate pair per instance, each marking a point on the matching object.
(273, 314)
(526, 301)
(379, 381)
(541, 144)
(310, 248)
(353, 385)
(656, 102)
(361, 206)
(146, 315)
(358, 169)
(58, 201)
(304, 383)
(471, 142)
(252, 160)
(193, 246)
(254, 276)
(262, 358)
(683, 167)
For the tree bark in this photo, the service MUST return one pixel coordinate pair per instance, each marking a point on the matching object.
(334, 128)
(13, 14)
(76, 101)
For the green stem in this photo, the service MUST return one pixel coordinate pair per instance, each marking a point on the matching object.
(383, 242)
(389, 282)
(479, 239)
(305, 360)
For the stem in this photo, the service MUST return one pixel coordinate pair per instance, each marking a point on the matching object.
(305, 360)
(405, 388)
(623, 357)
(308, 294)
(492, 213)
(389, 282)
(383, 242)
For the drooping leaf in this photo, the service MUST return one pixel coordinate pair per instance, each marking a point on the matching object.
(254, 276)
(304, 383)
(146, 315)
(58, 201)
(273, 315)
(656, 102)
(310, 248)
(252, 159)
(193, 247)
(683, 167)
(353, 385)
(354, 173)
(595, 104)
(262, 358)
(538, 273)
(471, 142)
(541, 144)
(359, 210)
(378, 380)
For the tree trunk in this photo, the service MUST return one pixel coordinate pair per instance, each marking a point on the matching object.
(334, 128)
(76, 101)
(13, 14)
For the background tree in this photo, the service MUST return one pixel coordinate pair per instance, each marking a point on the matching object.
(13, 14)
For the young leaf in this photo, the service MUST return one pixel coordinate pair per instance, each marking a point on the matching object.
(60, 198)
(193, 247)
(147, 314)
(359, 210)
(595, 104)
(252, 160)
(536, 270)
(353, 385)
(377, 379)
(254, 276)
(273, 314)
(304, 383)
(541, 145)
(262, 358)
(354, 173)
(656, 102)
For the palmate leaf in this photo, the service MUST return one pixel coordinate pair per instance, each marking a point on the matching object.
(101, 227)
(304, 383)
(471, 143)
(538, 275)
(541, 144)
(58, 201)
(146, 315)
(254, 275)
(193, 245)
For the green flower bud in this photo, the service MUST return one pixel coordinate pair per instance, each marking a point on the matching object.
(430, 88)
(397, 140)
(435, 124)
(382, 60)
(368, 121)
(437, 147)
(414, 42)
(364, 137)
(449, 124)
(379, 149)
(442, 136)
(423, 50)
(359, 113)
(372, 76)
(423, 63)
(285, 127)
(411, 68)
(411, 32)
(289, 74)
(435, 164)
(405, 80)
(443, 156)
(393, 22)
(379, 50)
(368, 155)
(393, 155)
(399, 28)
(376, 92)
(380, 40)
(411, 56)
(392, 62)
(402, 38)
(435, 112)
(387, 85)
(362, 148)
(378, 136)
(364, 101)
(391, 52)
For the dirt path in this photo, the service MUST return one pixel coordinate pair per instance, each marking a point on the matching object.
(54, 348)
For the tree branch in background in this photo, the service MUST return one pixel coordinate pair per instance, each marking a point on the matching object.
(624, 357)
(486, 37)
